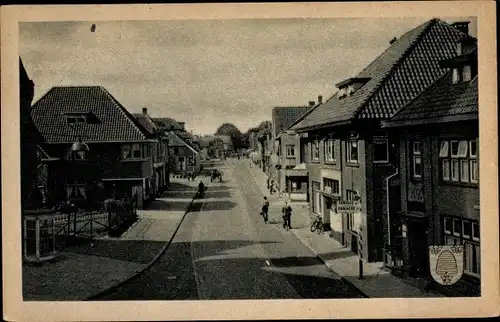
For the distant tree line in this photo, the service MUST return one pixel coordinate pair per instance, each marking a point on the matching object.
(240, 140)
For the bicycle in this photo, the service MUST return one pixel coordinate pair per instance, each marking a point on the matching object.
(317, 225)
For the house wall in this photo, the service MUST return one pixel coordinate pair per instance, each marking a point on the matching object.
(184, 151)
(439, 199)
(366, 178)
(104, 162)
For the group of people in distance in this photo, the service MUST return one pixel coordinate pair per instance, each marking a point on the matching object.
(286, 210)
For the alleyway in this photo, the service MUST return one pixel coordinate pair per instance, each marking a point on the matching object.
(223, 250)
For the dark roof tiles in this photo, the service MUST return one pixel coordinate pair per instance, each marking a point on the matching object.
(112, 122)
(442, 99)
(146, 122)
(396, 76)
(285, 116)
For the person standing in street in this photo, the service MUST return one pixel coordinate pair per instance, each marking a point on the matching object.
(265, 209)
(287, 215)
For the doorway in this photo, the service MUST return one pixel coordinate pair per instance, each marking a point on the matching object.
(417, 240)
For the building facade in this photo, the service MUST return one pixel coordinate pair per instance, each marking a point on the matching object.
(120, 160)
(186, 158)
(352, 158)
(439, 162)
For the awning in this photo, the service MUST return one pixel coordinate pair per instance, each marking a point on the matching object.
(301, 166)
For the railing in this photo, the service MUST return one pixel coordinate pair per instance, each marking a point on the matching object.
(90, 224)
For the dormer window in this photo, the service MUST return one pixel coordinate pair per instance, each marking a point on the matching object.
(74, 119)
(350, 86)
(459, 49)
(461, 74)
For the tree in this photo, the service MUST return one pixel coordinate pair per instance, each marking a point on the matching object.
(228, 129)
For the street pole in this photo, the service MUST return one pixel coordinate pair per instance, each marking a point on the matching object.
(360, 253)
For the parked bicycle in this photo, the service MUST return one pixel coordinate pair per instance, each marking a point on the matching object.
(317, 225)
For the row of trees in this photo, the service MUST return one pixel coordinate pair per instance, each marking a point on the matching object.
(241, 140)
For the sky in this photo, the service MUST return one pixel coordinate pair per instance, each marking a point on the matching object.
(209, 72)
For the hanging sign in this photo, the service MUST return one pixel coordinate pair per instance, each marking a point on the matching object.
(347, 207)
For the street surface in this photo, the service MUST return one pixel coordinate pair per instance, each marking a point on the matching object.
(224, 250)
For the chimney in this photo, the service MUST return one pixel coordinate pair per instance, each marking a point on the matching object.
(462, 26)
(144, 111)
(393, 40)
(320, 99)
(311, 103)
(182, 124)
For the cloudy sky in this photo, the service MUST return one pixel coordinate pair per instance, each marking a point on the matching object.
(208, 72)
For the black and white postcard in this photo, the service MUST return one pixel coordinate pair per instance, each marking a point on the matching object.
(249, 161)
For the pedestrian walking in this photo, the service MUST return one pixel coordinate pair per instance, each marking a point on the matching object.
(271, 188)
(268, 183)
(287, 215)
(265, 210)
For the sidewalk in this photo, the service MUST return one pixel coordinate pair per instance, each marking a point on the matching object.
(377, 282)
(83, 271)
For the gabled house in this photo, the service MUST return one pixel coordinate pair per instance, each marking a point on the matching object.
(351, 157)
(187, 159)
(288, 160)
(159, 151)
(439, 173)
(120, 158)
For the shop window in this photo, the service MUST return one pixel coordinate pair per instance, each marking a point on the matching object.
(329, 150)
(416, 159)
(352, 151)
(290, 151)
(464, 233)
(332, 185)
(131, 151)
(380, 150)
(459, 162)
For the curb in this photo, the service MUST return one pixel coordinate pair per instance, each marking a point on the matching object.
(149, 264)
(345, 280)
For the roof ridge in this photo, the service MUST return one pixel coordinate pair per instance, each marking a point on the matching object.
(425, 28)
(126, 113)
(309, 112)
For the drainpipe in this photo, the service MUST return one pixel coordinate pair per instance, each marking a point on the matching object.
(387, 205)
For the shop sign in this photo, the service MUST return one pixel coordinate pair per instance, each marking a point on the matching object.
(347, 207)
(415, 192)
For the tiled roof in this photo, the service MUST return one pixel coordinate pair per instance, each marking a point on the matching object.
(167, 123)
(146, 122)
(174, 140)
(399, 74)
(440, 100)
(284, 116)
(109, 120)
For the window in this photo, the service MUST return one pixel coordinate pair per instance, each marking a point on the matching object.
(416, 155)
(315, 150)
(329, 150)
(331, 185)
(191, 161)
(290, 151)
(459, 49)
(352, 151)
(76, 190)
(176, 149)
(181, 163)
(462, 74)
(466, 74)
(380, 150)
(464, 234)
(76, 119)
(459, 162)
(131, 151)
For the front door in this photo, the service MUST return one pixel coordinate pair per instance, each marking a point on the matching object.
(417, 236)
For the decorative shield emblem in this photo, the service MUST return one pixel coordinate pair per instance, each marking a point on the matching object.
(446, 263)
